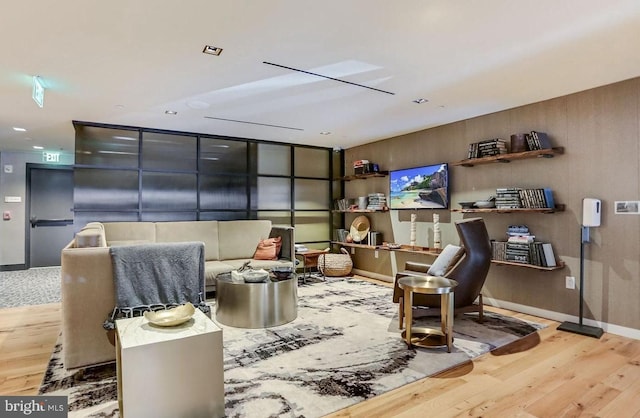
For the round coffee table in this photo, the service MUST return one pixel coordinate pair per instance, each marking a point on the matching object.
(430, 285)
(256, 305)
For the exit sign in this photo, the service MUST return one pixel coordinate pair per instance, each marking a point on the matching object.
(51, 157)
(38, 91)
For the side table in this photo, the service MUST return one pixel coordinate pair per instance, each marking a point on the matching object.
(309, 260)
(430, 285)
(170, 371)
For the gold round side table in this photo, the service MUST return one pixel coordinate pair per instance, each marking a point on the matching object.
(430, 285)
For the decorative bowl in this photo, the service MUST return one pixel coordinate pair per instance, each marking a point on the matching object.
(485, 204)
(255, 276)
(171, 317)
(467, 205)
(282, 272)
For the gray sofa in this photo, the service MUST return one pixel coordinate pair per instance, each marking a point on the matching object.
(88, 293)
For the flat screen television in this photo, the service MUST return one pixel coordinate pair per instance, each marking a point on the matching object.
(425, 187)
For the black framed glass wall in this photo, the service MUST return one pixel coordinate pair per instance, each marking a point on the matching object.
(139, 174)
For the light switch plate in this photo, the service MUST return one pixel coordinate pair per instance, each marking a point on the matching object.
(8, 168)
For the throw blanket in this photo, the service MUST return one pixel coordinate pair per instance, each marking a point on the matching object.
(157, 276)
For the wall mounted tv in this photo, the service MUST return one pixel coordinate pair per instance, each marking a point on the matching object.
(425, 187)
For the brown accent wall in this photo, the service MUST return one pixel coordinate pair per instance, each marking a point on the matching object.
(600, 131)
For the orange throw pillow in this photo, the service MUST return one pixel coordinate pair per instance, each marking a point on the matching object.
(268, 249)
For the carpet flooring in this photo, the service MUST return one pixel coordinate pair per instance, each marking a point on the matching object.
(35, 286)
(344, 347)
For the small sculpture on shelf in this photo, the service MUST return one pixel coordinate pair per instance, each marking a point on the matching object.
(436, 232)
(412, 237)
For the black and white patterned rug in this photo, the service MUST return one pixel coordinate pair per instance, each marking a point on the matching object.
(343, 348)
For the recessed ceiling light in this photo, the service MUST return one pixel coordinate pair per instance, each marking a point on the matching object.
(37, 147)
(15, 128)
(212, 50)
(325, 133)
(420, 101)
(170, 112)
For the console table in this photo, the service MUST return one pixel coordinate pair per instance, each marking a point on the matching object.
(170, 371)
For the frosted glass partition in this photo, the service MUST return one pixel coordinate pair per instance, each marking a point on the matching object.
(169, 191)
(81, 218)
(223, 192)
(105, 189)
(169, 152)
(274, 159)
(311, 162)
(106, 147)
(169, 216)
(222, 156)
(311, 194)
(276, 218)
(312, 226)
(274, 193)
(223, 216)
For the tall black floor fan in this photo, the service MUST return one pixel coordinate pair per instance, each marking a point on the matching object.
(590, 217)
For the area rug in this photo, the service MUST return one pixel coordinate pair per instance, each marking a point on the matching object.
(35, 286)
(344, 347)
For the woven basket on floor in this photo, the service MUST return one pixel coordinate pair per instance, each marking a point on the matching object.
(335, 265)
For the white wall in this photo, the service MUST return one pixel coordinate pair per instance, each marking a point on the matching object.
(12, 232)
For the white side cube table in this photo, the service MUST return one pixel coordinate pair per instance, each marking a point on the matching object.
(170, 371)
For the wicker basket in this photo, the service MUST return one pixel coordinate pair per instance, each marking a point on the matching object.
(335, 265)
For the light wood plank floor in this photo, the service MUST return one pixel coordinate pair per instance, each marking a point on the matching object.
(549, 374)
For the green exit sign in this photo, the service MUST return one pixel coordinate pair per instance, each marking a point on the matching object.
(38, 91)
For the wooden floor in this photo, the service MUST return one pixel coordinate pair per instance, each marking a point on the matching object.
(549, 374)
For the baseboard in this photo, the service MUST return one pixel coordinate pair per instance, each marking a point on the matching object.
(561, 317)
(13, 267)
(372, 275)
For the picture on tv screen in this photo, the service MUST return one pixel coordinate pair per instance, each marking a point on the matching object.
(424, 187)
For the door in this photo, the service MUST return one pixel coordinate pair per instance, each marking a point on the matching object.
(50, 211)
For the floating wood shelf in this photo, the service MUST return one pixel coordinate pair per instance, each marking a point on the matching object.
(506, 158)
(403, 248)
(359, 211)
(560, 265)
(558, 208)
(365, 176)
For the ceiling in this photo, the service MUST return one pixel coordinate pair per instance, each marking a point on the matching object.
(364, 62)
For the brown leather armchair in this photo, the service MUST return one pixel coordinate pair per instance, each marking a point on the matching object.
(470, 272)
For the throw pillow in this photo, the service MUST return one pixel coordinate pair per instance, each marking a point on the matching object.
(268, 249)
(446, 260)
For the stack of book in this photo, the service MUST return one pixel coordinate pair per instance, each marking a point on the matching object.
(341, 204)
(487, 148)
(508, 198)
(521, 247)
(377, 201)
(515, 197)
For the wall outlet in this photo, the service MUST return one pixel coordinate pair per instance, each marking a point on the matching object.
(375, 254)
(353, 250)
(570, 282)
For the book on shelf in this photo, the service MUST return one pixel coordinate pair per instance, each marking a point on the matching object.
(548, 197)
(487, 148)
(539, 140)
(549, 255)
(514, 197)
